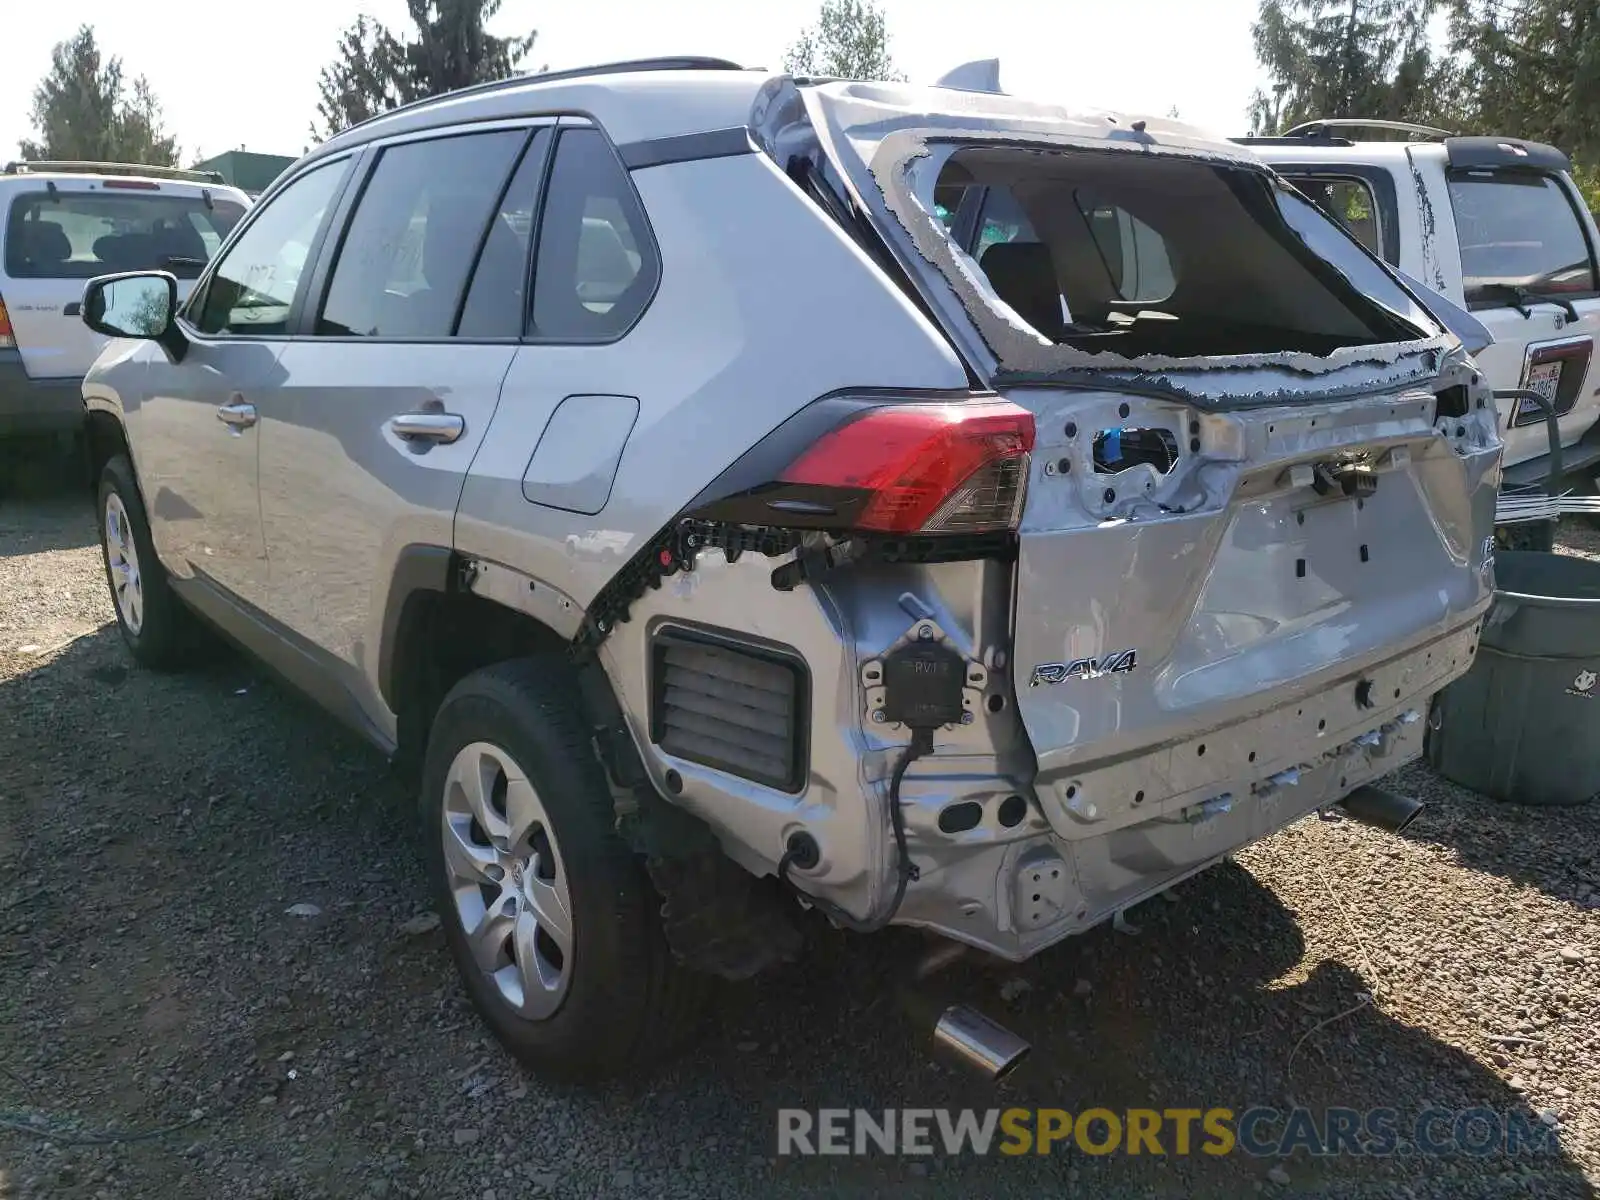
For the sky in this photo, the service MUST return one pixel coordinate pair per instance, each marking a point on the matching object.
(231, 73)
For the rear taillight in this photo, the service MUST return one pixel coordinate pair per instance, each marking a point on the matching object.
(923, 468)
(7, 338)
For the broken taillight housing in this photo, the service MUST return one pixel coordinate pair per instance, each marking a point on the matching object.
(921, 468)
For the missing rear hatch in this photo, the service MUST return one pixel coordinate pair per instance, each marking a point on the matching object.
(1138, 255)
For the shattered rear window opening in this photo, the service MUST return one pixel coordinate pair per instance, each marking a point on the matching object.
(1132, 255)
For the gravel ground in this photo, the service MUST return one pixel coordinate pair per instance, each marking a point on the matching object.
(154, 831)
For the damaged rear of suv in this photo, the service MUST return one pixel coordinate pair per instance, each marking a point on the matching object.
(1188, 563)
(914, 506)
(1187, 560)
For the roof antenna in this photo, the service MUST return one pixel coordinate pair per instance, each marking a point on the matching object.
(981, 75)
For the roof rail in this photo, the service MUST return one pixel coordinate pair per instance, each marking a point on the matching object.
(1253, 140)
(1315, 129)
(678, 63)
(72, 167)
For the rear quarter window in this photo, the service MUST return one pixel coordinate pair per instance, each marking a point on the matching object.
(81, 234)
(1519, 231)
(595, 268)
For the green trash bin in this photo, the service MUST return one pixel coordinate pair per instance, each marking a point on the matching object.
(1524, 723)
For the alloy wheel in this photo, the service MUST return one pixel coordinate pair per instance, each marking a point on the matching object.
(507, 880)
(122, 558)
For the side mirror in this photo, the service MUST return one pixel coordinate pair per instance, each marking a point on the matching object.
(138, 304)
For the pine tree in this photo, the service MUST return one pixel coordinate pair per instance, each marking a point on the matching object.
(368, 77)
(849, 41)
(1347, 58)
(1531, 68)
(83, 110)
(375, 70)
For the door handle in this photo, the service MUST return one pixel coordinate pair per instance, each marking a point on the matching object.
(237, 416)
(440, 427)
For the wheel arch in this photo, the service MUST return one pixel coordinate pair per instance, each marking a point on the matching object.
(105, 437)
(436, 631)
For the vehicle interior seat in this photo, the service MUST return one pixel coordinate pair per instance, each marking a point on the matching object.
(45, 245)
(1024, 276)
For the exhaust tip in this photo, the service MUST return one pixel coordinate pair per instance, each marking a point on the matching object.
(1406, 822)
(971, 1040)
(1383, 809)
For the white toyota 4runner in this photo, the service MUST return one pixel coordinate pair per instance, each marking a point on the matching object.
(1497, 225)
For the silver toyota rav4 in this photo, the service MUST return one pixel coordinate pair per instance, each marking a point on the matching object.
(742, 496)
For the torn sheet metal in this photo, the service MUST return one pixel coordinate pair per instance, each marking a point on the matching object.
(884, 140)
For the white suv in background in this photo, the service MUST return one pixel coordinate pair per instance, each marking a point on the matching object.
(63, 223)
(1496, 225)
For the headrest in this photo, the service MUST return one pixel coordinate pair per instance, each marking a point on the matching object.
(1024, 276)
(46, 242)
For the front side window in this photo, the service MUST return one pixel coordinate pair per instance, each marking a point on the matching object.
(1519, 231)
(596, 267)
(1349, 202)
(415, 234)
(253, 287)
(122, 225)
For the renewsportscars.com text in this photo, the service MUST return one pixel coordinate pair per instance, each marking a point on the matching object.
(1258, 1132)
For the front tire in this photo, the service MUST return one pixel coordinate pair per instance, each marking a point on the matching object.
(551, 920)
(158, 630)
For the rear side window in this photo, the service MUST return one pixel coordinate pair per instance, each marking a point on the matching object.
(1133, 254)
(415, 235)
(1519, 231)
(80, 234)
(497, 300)
(947, 204)
(1349, 202)
(1140, 255)
(596, 267)
(1003, 220)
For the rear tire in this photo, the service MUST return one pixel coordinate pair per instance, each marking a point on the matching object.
(159, 631)
(549, 917)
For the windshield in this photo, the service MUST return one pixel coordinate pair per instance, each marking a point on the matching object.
(80, 234)
(1180, 257)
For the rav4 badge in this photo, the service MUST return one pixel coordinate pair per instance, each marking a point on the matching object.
(1119, 663)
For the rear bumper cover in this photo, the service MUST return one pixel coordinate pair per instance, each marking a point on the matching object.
(1105, 848)
(33, 406)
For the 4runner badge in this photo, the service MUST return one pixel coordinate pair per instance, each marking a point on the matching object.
(1119, 663)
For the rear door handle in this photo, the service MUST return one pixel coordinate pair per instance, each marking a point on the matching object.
(237, 415)
(428, 427)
